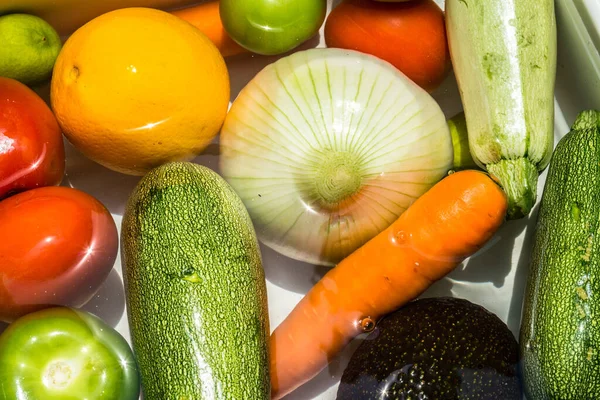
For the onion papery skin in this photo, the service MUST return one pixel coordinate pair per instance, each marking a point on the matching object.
(327, 147)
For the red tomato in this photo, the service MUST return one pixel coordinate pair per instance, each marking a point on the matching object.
(31, 145)
(410, 35)
(57, 246)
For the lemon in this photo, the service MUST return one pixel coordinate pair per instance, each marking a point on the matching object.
(138, 87)
(28, 48)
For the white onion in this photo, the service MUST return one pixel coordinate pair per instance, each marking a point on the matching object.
(327, 147)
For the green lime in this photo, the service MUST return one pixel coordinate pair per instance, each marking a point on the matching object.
(28, 48)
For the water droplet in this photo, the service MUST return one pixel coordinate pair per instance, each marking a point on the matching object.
(398, 238)
(367, 324)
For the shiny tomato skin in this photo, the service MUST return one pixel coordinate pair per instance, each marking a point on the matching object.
(409, 35)
(31, 143)
(66, 354)
(57, 246)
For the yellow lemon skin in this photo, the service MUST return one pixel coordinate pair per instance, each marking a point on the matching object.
(138, 87)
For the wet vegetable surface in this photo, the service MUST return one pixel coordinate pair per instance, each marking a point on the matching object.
(435, 349)
(31, 145)
(272, 26)
(57, 246)
(64, 354)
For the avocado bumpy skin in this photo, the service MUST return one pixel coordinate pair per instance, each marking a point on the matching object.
(435, 349)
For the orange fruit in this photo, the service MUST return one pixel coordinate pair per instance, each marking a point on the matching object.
(138, 87)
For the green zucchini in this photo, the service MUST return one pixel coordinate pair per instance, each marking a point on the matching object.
(195, 288)
(504, 58)
(560, 329)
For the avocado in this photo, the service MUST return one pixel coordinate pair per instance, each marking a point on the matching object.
(435, 349)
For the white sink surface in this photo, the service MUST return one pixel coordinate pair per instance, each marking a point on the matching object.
(494, 278)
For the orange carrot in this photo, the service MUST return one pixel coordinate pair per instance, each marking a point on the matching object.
(449, 223)
(206, 17)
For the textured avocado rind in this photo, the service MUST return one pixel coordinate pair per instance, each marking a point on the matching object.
(435, 349)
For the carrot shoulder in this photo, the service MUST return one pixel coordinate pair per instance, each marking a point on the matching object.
(207, 19)
(450, 222)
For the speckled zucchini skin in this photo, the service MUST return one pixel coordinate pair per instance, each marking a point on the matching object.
(195, 288)
(504, 58)
(560, 330)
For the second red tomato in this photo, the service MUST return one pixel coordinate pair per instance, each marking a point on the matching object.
(57, 246)
(409, 35)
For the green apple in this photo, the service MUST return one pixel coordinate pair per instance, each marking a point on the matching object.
(28, 48)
